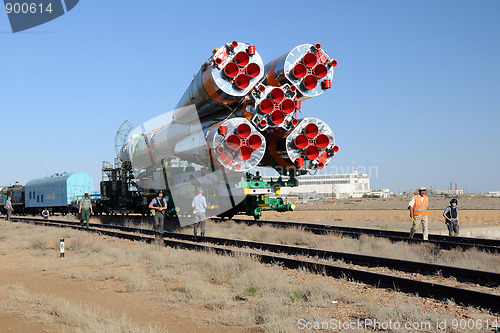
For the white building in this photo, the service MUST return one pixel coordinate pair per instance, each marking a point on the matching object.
(451, 192)
(382, 193)
(352, 185)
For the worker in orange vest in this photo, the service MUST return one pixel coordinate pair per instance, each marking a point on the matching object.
(418, 212)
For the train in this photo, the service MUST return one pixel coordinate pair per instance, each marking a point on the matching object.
(251, 194)
(60, 193)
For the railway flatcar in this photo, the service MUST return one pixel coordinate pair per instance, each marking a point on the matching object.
(243, 193)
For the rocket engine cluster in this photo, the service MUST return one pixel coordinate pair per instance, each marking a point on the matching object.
(238, 114)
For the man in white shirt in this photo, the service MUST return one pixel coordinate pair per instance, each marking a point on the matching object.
(199, 204)
(45, 214)
(8, 205)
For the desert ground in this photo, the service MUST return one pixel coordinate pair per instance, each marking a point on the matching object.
(109, 285)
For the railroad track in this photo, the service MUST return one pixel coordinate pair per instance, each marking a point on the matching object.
(221, 245)
(441, 241)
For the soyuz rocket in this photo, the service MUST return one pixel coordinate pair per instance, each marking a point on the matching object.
(238, 114)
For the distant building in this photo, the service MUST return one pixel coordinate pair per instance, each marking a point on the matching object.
(450, 192)
(352, 185)
(493, 194)
(381, 193)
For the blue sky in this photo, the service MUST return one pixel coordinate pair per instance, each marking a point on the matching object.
(415, 93)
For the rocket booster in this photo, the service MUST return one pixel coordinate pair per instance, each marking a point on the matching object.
(309, 145)
(223, 80)
(307, 67)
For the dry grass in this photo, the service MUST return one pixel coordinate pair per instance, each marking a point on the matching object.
(79, 317)
(368, 245)
(236, 290)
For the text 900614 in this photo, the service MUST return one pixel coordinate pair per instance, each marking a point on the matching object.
(25, 14)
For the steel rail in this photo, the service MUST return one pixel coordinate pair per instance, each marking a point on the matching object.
(444, 242)
(484, 278)
(427, 289)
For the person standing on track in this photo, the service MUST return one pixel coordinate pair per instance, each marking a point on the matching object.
(451, 216)
(8, 206)
(418, 212)
(199, 204)
(159, 204)
(85, 210)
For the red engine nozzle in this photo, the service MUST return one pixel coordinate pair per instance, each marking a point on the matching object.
(310, 82)
(253, 70)
(309, 60)
(287, 106)
(312, 152)
(255, 141)
(244, 153)
(244, 130)
(301, 141)
(320, 71)
(299, 71)
(322, 141)
(277, 95)
(242, 81)
(233, 141)
(242, 58)
(266, 106)
(231, 69)
(277, 117)
(311, 130)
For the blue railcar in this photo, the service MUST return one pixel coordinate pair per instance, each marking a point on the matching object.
(3, 195)
(58, 191)
(3, 199)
